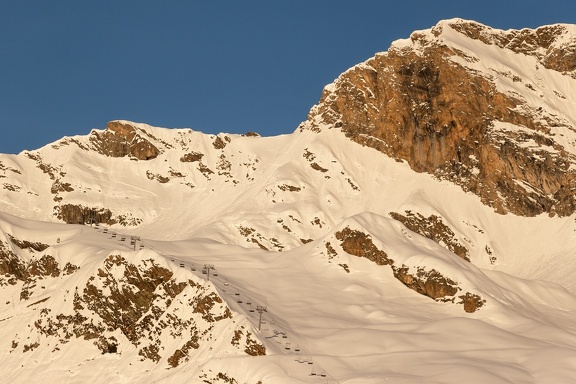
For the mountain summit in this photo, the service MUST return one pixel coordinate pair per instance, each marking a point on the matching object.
(490, 110)
(424, 212)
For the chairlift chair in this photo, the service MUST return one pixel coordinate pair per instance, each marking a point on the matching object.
(204, 271)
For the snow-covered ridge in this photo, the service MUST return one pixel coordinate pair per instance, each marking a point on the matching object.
(274, 193)
(437, 101)
(538, 41)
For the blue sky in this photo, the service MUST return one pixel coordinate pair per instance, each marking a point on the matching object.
(214, 66)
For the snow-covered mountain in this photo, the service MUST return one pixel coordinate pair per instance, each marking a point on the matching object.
(418, 227)
(492, 111)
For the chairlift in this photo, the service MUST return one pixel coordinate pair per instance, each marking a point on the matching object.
(215, 273)
(251, 310)
(204, 271)
(182, 265)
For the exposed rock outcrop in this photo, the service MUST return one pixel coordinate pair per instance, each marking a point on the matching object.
(427, 282)
(122, 139)
(79, 214)
(12, 267)
(25, 244)
(433, 228)
(360, 244)
(139, 303)
(423, 102)
(540, 43)
(191, 157)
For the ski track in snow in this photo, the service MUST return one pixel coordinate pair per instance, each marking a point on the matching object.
(135, 187)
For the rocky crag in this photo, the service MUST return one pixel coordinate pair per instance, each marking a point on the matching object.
(490, 110)
(135, 303)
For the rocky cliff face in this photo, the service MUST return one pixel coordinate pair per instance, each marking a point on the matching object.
(122, 139)
(480, 107)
